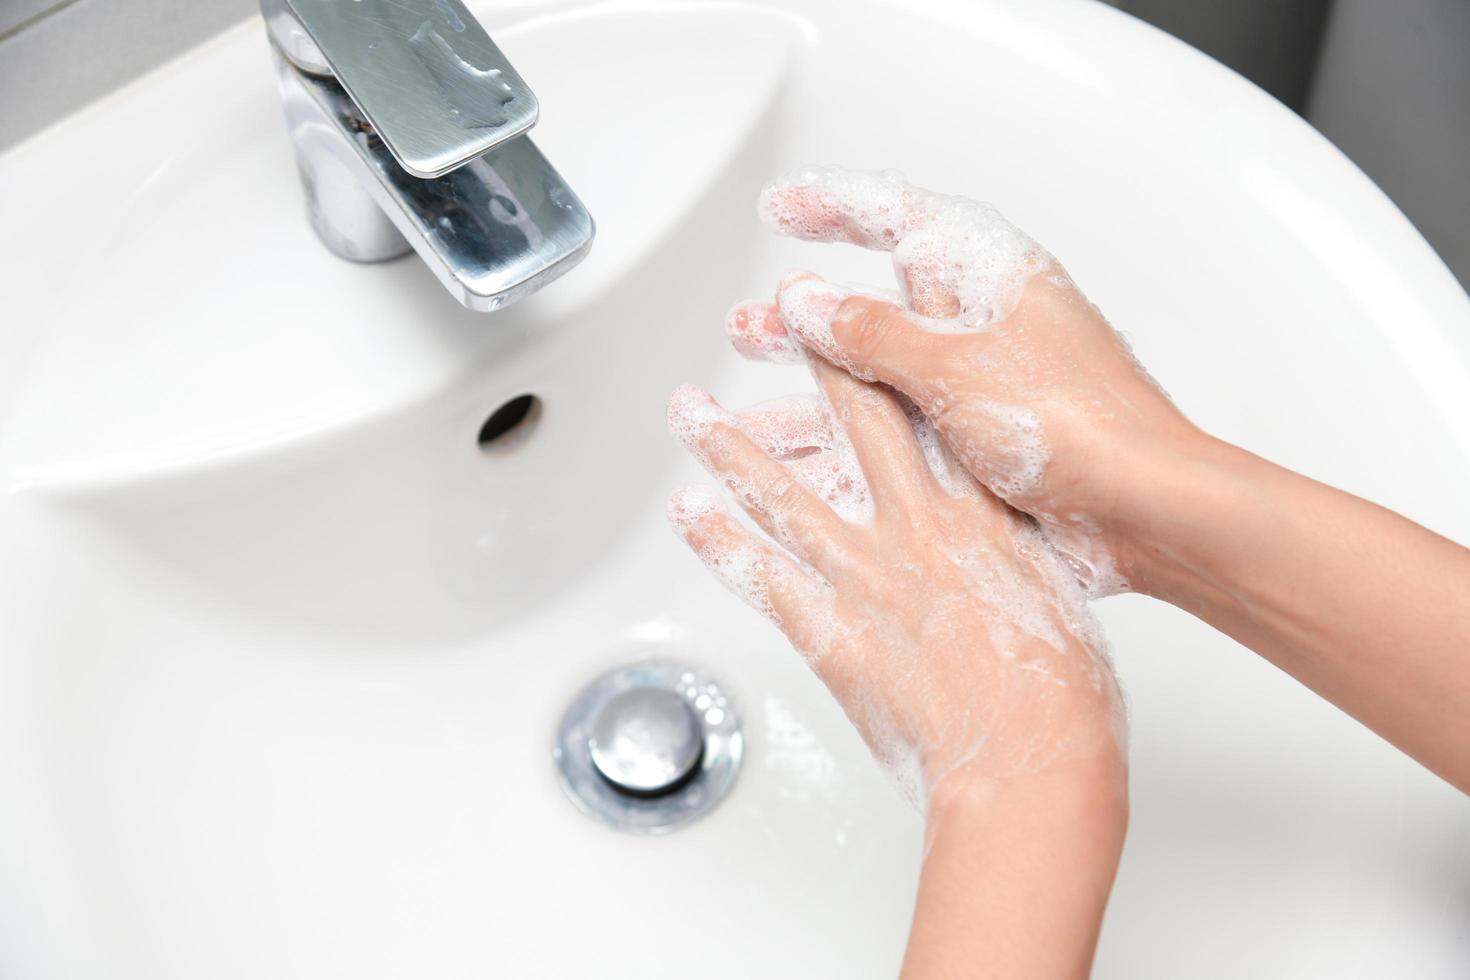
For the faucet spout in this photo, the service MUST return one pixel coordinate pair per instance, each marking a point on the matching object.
(409, 131)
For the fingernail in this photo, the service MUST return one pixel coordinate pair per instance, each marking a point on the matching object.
(691, 413)
(690, 504)
(847, 312)
(757, 332)
(792, 205)
(808, 308)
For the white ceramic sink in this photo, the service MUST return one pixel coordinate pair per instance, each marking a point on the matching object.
(282, 650)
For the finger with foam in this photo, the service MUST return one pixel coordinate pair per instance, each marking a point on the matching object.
(1026, 382)
(951, 250)
(769, 582)
(786, 508)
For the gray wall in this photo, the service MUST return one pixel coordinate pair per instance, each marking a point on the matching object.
(1393, 91)
(1274, 43)
(56, 55)
(1387, 80)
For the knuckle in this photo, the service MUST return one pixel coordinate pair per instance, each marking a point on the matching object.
(869, 403)
(870, 328)
(783, 496)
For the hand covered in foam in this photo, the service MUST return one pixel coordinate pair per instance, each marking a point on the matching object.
(942, 620)
(1025, 380)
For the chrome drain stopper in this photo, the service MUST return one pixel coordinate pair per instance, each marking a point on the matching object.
(646, 741)
(648, 747)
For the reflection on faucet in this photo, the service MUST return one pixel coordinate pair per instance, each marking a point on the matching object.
(405, 141)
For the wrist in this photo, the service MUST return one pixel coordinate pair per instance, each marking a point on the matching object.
(1090, 793)
(1017, 872)
(1104, 484)
(1164, 493)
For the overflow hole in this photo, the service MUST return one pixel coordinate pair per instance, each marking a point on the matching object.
(509, 424)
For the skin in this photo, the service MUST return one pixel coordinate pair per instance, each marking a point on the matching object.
(1021, 772)
(1337, 591)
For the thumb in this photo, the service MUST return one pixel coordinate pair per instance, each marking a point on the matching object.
(873, 339)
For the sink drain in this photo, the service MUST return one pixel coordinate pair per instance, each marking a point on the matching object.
(649, 747)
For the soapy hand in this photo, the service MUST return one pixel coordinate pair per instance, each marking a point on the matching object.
(947, 623)
(1025, 380)
(941, 619)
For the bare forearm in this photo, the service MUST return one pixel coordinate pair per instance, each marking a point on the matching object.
(1016, 876)
(1367, 608)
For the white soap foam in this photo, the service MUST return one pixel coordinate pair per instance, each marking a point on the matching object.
(946, 251)
(690, 504)
(756, 330)
(1079, 543)
(1013, 580)
(1029, 595)
(941, 244)
(735, 561)
(948, 471)
(691, 415)
(1017, 433)
(791, 427)
(1072, 608)
(801, 432)
(1025, 589)
(808, 307)
(832, 472)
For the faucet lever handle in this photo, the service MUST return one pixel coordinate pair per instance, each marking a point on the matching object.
(424, 73)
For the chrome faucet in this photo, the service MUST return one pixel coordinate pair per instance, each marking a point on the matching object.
(409, 129)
